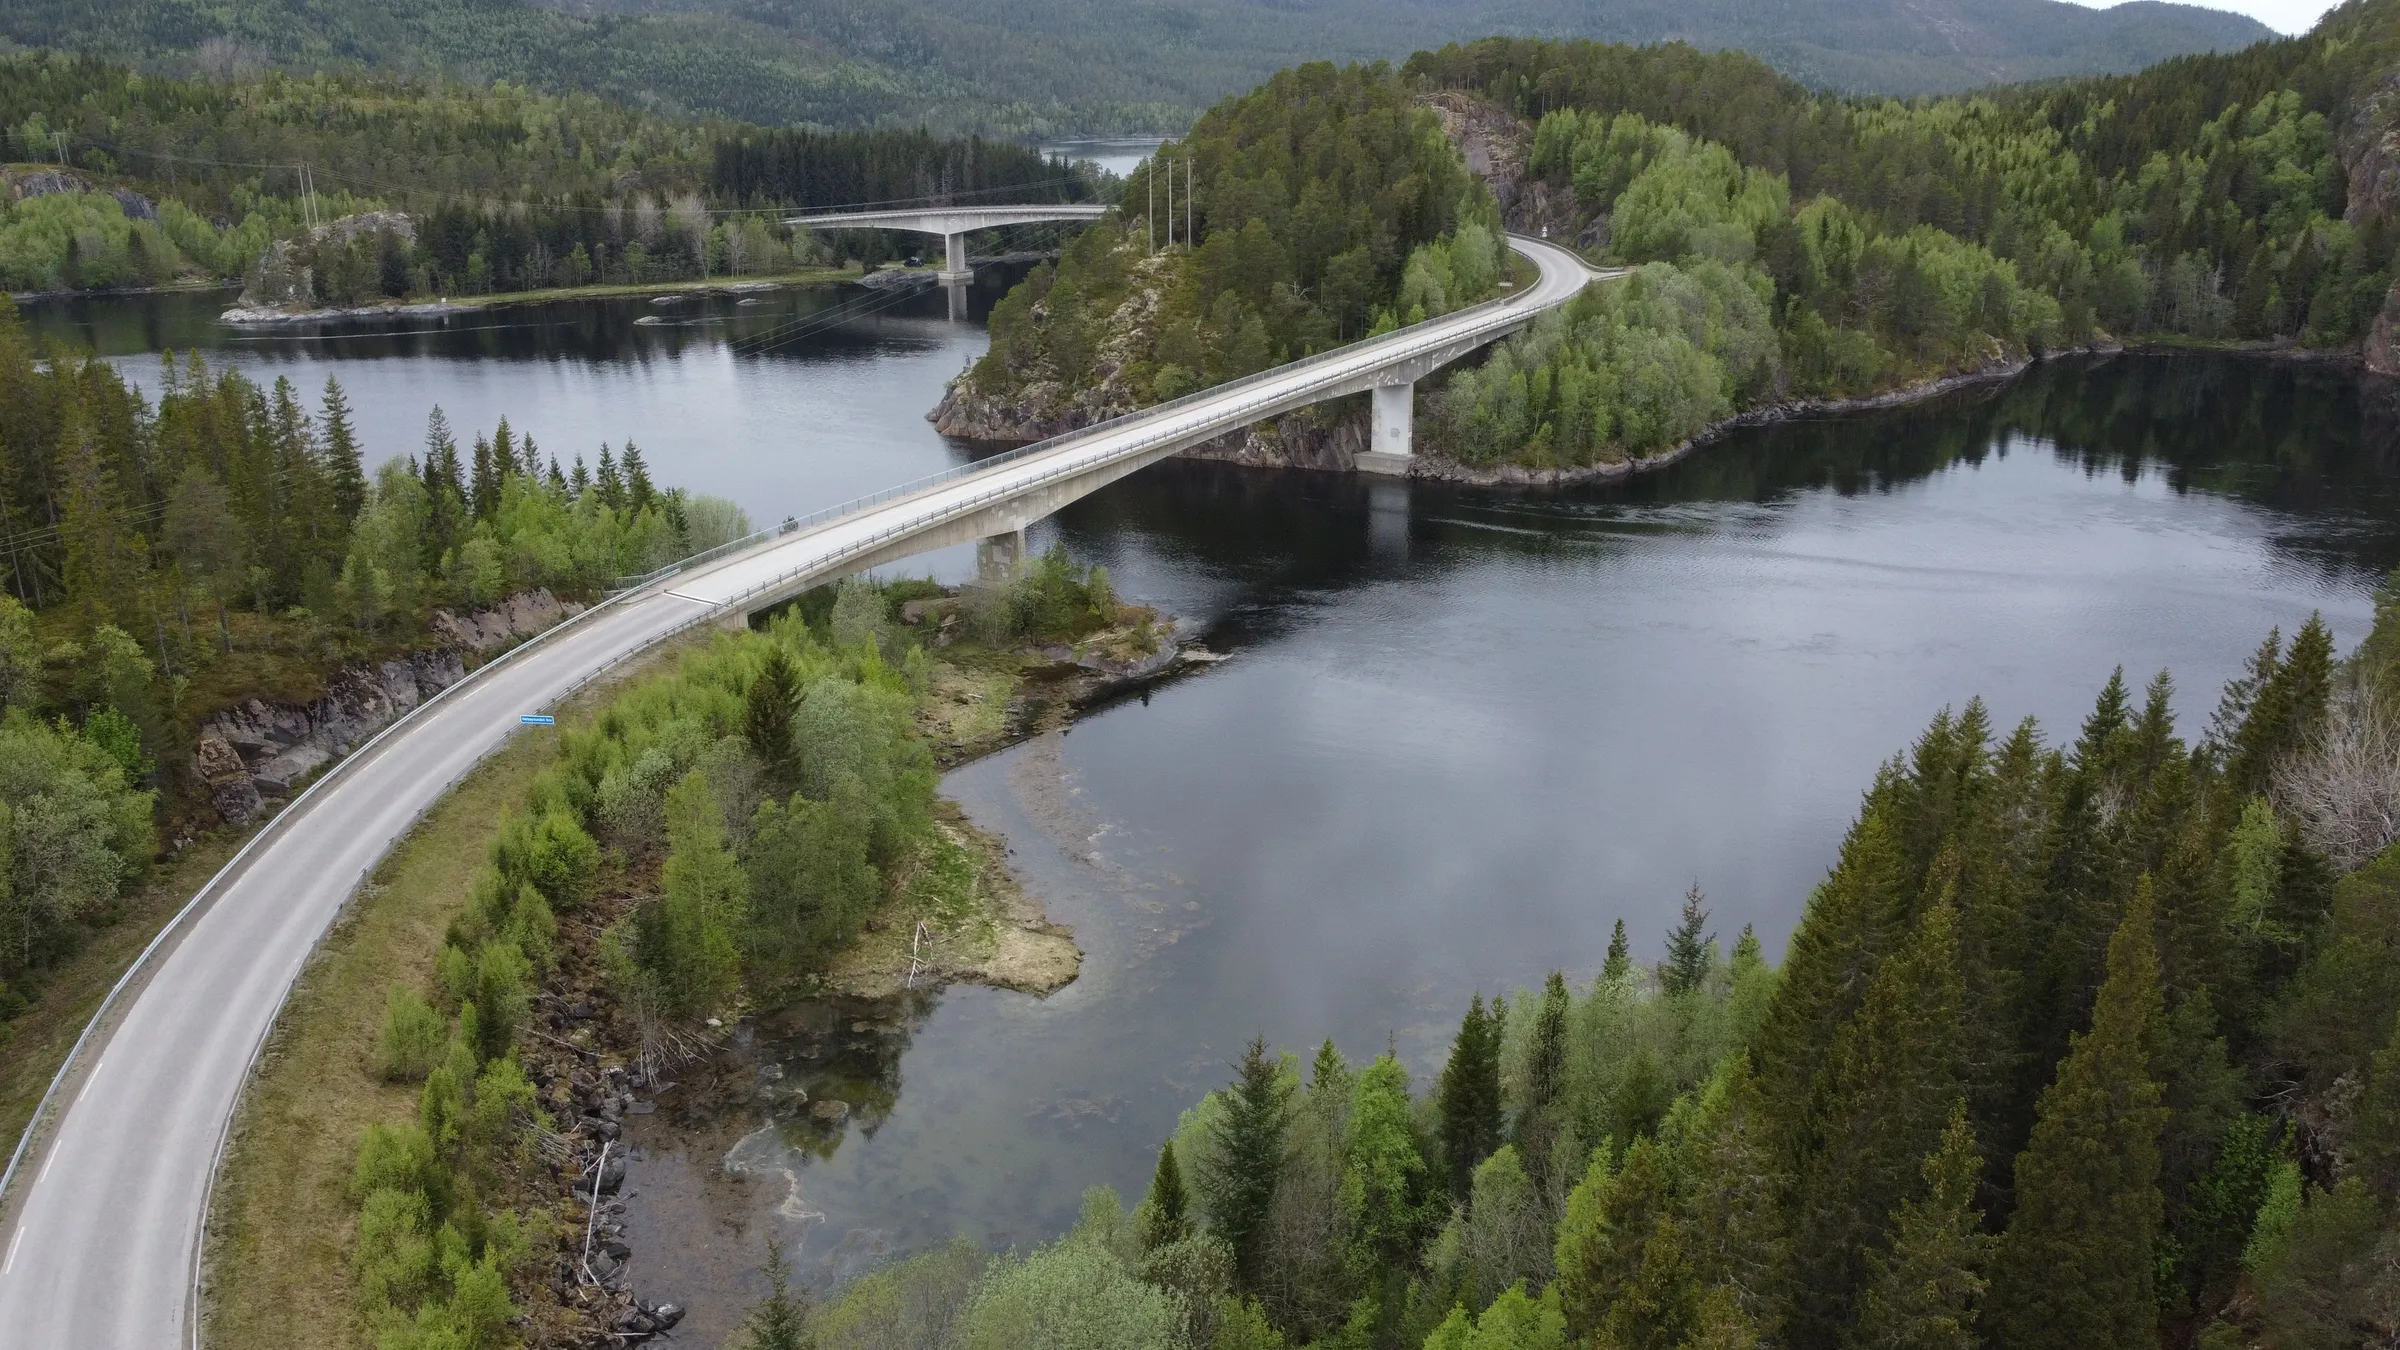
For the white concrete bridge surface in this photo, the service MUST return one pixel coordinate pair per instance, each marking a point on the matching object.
(101, 1236)
(952, 223)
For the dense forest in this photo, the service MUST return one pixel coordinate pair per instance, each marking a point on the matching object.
(1050, 67)
(1326, 207)
(165, 561)
(2207, 198)
(128, 179)
(2082, 1044)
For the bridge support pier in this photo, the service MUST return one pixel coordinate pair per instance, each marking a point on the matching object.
(1391, 443)
(998, 556)
(954, 267)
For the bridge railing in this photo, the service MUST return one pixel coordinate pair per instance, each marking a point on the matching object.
(1065, 441)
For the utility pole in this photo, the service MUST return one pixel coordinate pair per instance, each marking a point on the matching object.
(1170, 206)
(1190, 240)
(1150, 213)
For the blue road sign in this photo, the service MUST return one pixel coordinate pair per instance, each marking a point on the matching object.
(538, 720)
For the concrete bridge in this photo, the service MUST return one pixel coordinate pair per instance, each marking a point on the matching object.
(952, 223)
(101, 1231)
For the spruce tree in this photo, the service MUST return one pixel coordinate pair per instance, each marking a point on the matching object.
(780, 1321)
(1619, 966)
(343, 469)
(1246, 1156)
(1162, 1210)
(2077, 1266)
(1468, 1097)
(1689, 948)
(1922, 1293)
(767, 715)
(1540, 1115)
(1890, 1085)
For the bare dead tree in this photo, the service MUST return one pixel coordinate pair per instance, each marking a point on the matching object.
(2345, 790)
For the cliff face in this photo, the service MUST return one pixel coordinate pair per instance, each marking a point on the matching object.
(1498, 149)
(2370, 152)
(256, 750)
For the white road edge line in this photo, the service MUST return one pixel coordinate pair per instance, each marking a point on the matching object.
(13, 1244)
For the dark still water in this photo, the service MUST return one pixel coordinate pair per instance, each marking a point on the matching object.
(1462, 732)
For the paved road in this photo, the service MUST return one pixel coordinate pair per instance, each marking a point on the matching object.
(101, 1246)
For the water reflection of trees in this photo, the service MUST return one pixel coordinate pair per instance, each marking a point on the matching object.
(2312, 443)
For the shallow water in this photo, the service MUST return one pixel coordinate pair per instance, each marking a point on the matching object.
(1463, 731)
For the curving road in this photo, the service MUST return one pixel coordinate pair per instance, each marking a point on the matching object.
(101, 1246)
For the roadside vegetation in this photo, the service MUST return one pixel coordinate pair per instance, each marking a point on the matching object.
(713, 839)
(163, 562)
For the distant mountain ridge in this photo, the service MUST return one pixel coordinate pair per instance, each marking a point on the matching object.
(1045, 67)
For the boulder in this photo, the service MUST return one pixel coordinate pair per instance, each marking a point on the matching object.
(831, 1111)
(230, 788)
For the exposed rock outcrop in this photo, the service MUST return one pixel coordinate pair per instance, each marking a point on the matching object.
(278, 744)
(283, 278)
(256, 750)
(2370, 153)
(505, 624)
(1498, 148)
(22, 184)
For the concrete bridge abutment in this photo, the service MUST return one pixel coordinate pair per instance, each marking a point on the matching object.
(999, 557)
(954, 261)
(1392, 432)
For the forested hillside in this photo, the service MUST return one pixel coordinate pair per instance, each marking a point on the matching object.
(1043, 67)
(1792, 245)
(165, 561)
(2223, 197)
(134, 180)
(1329, 207)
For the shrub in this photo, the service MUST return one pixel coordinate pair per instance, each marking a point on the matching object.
(411, 1039)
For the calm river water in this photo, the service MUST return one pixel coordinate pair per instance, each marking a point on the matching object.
(1462, 734)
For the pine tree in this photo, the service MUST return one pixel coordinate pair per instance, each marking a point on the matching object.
(1162, 1210)
(2077, 1266)
(1246, 1155)
(780, 1321)
(1689, 948)
(1922, 1294)
(1468, 1097)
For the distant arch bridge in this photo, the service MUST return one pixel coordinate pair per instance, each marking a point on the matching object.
(952, 223)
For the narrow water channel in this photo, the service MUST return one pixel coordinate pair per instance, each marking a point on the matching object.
(1462, 733)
